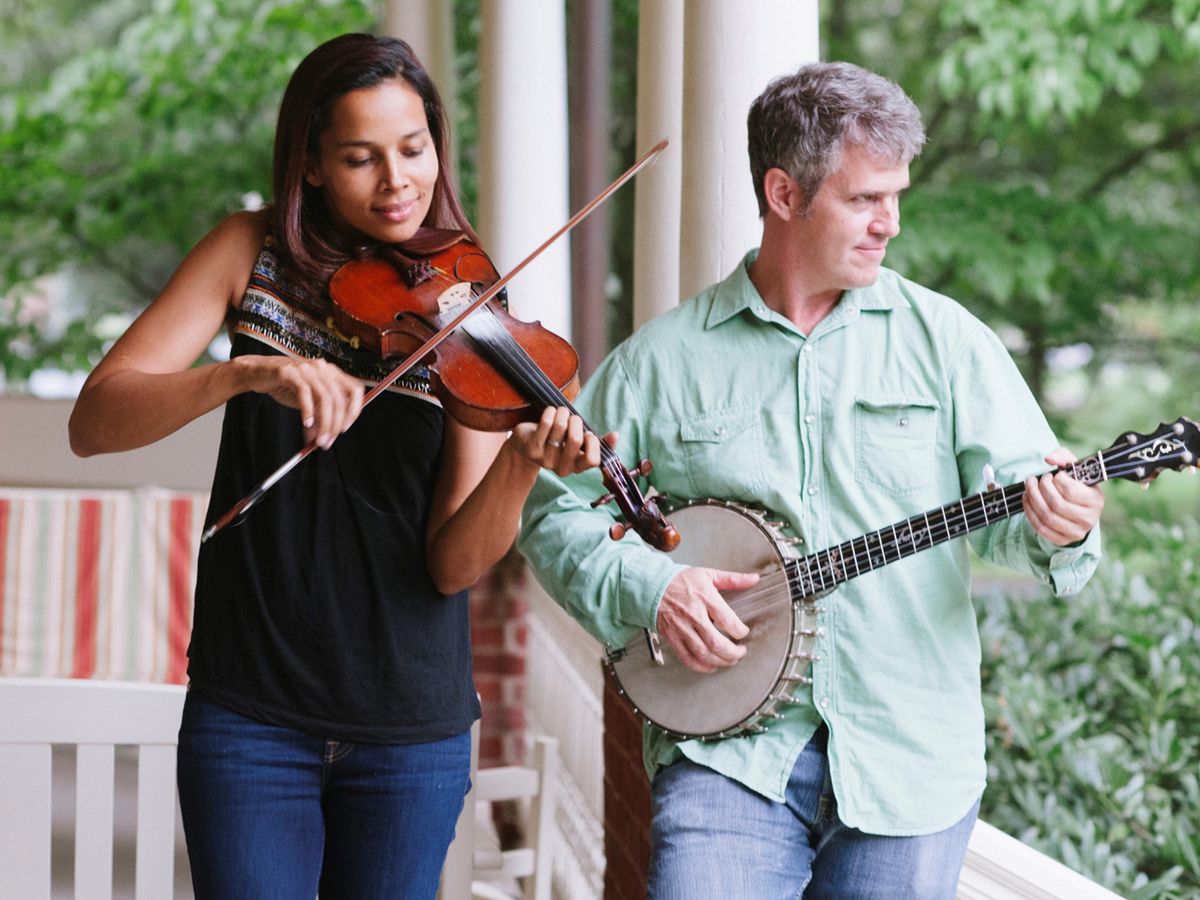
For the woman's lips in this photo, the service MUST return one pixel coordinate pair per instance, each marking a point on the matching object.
(395, 212)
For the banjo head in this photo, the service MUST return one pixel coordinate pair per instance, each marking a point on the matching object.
(730, 700)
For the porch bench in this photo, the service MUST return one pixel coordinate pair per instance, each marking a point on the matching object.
(96, 591)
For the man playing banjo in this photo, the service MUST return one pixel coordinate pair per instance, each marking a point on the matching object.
(840, 397)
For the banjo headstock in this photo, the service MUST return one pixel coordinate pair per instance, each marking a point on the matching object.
(1140, 457)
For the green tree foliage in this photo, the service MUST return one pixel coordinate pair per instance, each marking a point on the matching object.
(1093, 708)
(1058, 189)
(117, 156)
(1056, 199)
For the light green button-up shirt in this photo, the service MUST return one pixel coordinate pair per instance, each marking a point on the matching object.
(889, 408)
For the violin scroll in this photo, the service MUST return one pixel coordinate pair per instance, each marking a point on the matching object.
(641, 513)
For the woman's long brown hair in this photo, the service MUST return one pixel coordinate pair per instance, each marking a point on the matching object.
(301, 226)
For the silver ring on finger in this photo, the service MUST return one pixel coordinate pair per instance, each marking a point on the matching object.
(557, 445)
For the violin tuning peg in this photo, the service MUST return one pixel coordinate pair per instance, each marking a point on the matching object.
(645, 467)
(600, 501)
(617, 531)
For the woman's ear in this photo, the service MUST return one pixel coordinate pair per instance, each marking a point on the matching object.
(782, 194)
(312, 176)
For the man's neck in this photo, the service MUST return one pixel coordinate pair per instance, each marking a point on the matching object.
(784, 290)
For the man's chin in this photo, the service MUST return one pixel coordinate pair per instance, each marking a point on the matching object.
(865, 278)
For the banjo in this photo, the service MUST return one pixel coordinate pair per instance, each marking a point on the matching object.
(781, 608)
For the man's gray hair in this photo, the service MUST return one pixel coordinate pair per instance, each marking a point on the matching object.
(801, 123)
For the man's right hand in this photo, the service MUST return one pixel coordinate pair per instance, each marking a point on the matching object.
(697, 623)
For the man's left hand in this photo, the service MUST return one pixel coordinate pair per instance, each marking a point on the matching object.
(1060, 508)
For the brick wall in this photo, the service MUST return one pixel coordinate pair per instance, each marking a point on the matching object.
(499, 639)
(626, 801)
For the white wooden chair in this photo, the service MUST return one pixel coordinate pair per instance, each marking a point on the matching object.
(95, 717)
(472, 868)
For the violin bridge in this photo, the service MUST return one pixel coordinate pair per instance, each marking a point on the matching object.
(454, 296)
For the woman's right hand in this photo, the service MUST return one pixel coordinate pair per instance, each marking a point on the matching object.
(327, 398)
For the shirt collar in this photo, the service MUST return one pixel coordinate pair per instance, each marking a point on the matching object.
(737, 293)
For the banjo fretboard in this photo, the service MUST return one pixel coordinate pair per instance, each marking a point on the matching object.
(1137, 458)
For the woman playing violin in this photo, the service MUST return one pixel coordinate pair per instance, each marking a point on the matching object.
(325, 737)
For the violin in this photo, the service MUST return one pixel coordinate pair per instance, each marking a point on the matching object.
(391, 302)
(492, 371)
(427, 293)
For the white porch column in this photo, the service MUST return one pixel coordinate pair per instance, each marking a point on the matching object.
(659, 115)
(428, 27)
(731, 50)
(523, 187)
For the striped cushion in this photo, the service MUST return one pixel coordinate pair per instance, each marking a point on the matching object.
(97, 583)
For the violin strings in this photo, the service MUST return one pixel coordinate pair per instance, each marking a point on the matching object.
(521, 365)
(496, 338)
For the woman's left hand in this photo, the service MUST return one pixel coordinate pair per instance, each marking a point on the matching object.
(558, 442)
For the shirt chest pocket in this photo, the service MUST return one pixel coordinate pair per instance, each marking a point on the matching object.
(895, 443)
(722, 454)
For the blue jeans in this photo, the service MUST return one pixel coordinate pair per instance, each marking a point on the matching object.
(714, 839)
(274, 813)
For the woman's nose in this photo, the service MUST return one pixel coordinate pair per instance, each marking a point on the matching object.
(393, 174)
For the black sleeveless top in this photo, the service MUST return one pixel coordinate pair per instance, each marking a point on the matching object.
(317, 612)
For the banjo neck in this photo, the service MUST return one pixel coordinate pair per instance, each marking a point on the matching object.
(826, 569)
(1134, 457)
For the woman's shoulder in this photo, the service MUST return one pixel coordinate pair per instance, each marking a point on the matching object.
(231, 249)
(242, 232)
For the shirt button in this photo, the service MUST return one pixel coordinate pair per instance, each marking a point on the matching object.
(810, 418)
(825, 703)
(807, 349)
(821, 632)
(812, 491)
(903, 422)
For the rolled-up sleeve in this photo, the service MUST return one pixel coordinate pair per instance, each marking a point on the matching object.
(998, 422)
(611, 587)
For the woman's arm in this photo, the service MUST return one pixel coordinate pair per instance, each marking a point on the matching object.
(482, 484)
(145, 388)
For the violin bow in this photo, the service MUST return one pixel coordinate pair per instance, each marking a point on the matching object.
(243, 505)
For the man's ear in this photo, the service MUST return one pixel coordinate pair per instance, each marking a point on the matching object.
(782, 194)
